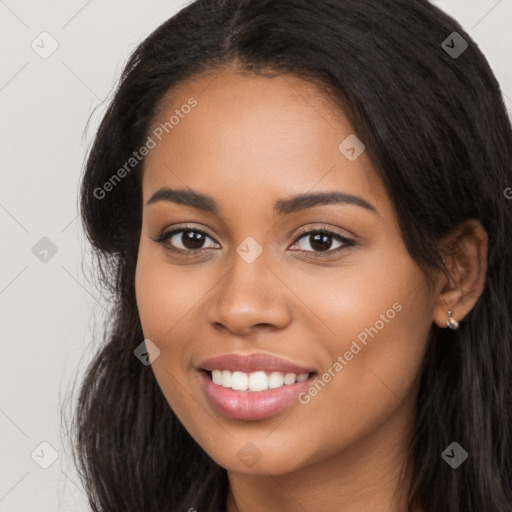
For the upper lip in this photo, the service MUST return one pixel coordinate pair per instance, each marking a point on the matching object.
(251, 363)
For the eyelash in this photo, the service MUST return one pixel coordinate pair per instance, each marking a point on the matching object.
(347, 242)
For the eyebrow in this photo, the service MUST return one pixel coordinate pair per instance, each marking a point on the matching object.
(189, 197)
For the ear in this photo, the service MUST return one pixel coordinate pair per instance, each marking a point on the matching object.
(464, 252)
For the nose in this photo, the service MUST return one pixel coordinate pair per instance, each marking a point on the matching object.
(250, 296)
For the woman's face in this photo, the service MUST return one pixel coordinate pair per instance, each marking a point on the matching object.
(343, 308)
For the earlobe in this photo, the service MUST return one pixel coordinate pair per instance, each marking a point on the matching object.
(465, 257)
(451, 323)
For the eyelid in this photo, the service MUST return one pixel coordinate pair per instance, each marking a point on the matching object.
(324, 229)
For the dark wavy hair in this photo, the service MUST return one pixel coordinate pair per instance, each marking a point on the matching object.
(437, 132)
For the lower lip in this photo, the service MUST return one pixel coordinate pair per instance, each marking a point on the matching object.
(256, 405)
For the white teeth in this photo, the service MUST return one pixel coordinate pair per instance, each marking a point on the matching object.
(255, 381)
(275, 380)
(217, 377)
(239, 381)
(290, 378)
(226, 379)
(258, 381)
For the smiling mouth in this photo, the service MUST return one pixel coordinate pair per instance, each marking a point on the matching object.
(252, 382)
(255, 395)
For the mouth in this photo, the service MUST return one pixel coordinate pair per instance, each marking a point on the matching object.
(248, 404)
(253, 387)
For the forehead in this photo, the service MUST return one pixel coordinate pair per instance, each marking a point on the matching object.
(253, 133)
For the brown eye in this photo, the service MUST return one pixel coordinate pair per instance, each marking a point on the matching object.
(185, 240)
(321, 241)
(318, 241)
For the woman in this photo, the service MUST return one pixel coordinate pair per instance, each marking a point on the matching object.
(301, 210)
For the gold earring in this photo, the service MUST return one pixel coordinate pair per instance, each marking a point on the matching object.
(451, 322)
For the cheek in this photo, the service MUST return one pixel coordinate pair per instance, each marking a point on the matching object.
(167, 300)
(380, 320)
(167, 295)
(373, 291)
(385, 316)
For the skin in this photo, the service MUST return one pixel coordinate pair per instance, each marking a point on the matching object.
(250, 141)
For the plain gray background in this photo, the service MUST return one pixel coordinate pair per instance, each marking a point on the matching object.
(50, 309)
